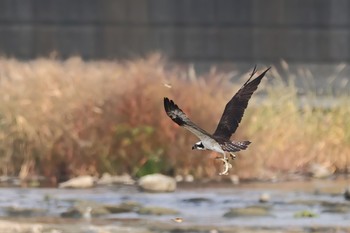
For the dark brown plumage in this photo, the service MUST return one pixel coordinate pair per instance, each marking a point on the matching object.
(180, 118)
(235, 108)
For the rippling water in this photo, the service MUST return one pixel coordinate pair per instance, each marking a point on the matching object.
(216, 201)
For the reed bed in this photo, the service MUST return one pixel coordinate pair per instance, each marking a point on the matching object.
(66, 118)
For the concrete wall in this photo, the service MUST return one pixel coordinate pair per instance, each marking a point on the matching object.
(185, 30)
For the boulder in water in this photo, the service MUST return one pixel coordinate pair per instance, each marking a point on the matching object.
(157, 183)
(79, 182)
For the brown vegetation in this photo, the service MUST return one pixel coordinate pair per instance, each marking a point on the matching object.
(66, 118)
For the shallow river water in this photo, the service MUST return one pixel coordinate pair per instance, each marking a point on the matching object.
(202, 205)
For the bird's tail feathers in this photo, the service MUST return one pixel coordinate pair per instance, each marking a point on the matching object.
(242, 145)
(235, 146)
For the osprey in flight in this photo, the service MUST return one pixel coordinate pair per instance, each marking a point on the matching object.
(230, 119)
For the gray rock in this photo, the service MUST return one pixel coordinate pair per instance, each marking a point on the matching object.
(307, 202)
(189, 178)
(347, 194)
(327, 206)
(320, 171)
(179, 178)
(24, 212)
(256, 211)
(234, 179)
(157, 183)
(74, 213)
(10, 180)
(157, 211)
(330, 190)
(184, 178)
(33, 181)
(108, 179)
(337, 209)
(264, 197)
(124, 207)
(85, 209)
(331, 204)
(198, 200)
(79, 182)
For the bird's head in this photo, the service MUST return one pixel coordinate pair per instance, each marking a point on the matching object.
(198, 146)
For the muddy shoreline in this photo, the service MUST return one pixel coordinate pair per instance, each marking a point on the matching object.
(141, 226)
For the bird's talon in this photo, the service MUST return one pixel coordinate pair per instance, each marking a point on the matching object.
(233, 156)
(227, 166)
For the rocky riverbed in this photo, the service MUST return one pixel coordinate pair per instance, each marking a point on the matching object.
(305, 206)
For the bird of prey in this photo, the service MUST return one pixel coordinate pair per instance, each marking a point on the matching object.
(220, 141)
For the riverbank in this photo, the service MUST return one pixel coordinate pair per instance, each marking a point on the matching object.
(15, 226)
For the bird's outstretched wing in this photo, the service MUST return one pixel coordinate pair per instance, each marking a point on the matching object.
(180, 118)
(235, 108)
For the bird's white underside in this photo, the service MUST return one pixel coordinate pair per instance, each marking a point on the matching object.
(211, 144)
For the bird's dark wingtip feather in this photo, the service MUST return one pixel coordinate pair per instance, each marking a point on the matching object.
(170, 106)
(254, 69)
(166, 104)
(266, 71)
(253, 73)
(257, 79)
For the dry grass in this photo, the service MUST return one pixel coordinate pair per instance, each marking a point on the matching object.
(61, 119)
(291, 134)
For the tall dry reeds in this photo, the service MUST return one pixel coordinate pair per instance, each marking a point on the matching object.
(66, 118)
(292, 132)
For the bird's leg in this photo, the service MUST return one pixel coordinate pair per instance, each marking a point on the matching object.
(233, 156)
(227, 165)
